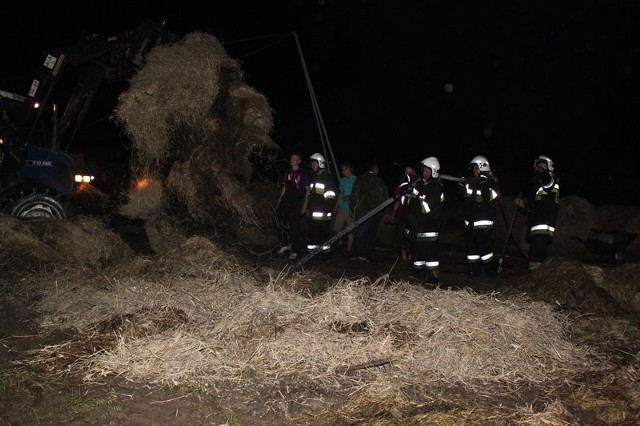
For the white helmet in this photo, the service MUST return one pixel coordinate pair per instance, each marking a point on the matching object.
(544, 159)
(433, 164)
(320, 159)
(482, 162)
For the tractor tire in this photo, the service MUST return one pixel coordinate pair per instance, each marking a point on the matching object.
(38, 205)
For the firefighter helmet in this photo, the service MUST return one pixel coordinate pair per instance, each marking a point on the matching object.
(320, 159)
(482, 162)
(544, 159)
(433, 164)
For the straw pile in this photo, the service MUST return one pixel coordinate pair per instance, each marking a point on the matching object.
(570, 284)
(622, 283)
(34, 245)
(361, 350)
(144, 284)
(366, 340)
(195, 125)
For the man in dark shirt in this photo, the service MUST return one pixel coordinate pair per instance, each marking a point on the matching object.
(368, 193)
(290, 206)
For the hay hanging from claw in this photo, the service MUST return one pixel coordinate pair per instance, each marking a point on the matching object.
(195, 125)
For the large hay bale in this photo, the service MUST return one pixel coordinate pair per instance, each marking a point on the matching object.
(576, 217)
(614, 217)
(194, 124)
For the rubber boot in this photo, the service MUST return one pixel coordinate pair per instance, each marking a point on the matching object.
(473, 269)
(490, 268)
(419, 273)
(433, 277)
(533, 266)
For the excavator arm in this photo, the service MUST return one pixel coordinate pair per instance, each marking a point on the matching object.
(39, 174)
(95, 58)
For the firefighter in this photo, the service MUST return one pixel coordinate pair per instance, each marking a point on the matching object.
(479, 211)
(425, 198)
(541, 208)
(319, 205)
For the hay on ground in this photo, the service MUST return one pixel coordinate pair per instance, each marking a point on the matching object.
(352, 337)
(622, 283)
(194, 279)
(83, 242)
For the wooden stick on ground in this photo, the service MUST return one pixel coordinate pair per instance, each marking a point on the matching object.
(375, 363)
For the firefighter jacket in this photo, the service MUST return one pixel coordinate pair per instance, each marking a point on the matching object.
(322, 196)
(425, 200)
(480, 202)
(543, 204)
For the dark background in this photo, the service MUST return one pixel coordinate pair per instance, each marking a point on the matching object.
(527, 78)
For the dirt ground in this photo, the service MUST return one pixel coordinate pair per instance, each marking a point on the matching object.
(32, 396)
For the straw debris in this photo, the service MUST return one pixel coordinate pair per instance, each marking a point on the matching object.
(39, 244)
(351, 337)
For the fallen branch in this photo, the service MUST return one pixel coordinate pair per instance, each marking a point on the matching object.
(375, 363)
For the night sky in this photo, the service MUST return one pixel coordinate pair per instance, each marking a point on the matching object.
(397, 82)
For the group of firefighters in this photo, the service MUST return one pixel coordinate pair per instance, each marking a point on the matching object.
(314, 195)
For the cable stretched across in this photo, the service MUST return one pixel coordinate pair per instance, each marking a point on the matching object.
(324, 137)
(322, 130)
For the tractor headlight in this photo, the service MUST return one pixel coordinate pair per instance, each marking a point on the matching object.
(83, 178)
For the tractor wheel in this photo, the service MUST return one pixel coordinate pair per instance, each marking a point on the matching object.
(38, 205)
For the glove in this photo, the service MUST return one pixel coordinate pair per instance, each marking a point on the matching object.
(404, 190)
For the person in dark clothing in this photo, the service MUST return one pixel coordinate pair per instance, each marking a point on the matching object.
(541, 208)
(290, 206)
(399, 216)
(368, 193)
(425, 199)
(479, 211)
(319, 205)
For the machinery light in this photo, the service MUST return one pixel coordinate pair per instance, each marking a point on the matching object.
(83, 178)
